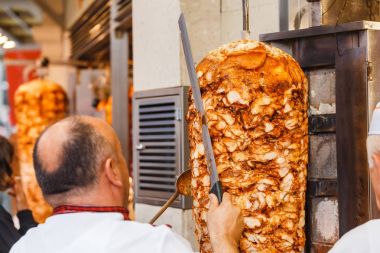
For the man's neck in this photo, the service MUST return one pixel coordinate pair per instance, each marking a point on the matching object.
(86, 199)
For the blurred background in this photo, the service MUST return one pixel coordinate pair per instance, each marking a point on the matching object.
(122, 60)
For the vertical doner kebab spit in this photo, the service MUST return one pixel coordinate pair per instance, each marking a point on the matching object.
(255, 99)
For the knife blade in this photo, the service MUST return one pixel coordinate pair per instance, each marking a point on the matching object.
(216, 186)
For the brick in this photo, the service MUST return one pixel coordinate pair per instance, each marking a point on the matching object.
(325, 221)
(322, 88)
(322, 158)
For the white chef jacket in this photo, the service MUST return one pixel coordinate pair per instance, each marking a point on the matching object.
(87, 232)
(364, 238)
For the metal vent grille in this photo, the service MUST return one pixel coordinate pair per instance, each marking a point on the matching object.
(159, 152)
(158, 145)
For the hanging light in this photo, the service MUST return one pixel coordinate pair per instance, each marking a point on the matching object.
(3, 39)
(9, 44)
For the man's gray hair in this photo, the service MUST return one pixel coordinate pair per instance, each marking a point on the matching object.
(80, 158)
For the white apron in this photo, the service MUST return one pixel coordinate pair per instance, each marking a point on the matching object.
(99, 233)
(362, 239)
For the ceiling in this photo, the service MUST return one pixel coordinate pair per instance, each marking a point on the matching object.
(18, 17)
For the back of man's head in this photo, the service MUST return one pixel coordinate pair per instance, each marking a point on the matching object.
(67, 157)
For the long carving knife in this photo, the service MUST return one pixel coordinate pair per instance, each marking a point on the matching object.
(216, 186)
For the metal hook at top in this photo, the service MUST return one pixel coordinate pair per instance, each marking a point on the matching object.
(246, 31)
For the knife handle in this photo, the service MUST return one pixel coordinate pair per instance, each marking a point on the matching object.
(218, 191)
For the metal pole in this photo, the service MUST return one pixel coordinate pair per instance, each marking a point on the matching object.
(284, 15)
(246, 31)
(164, 207)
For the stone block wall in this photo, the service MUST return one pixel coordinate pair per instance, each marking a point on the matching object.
(322, 157)
(325, 222)
(322, 206)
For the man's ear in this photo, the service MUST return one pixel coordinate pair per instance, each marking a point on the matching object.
(112, 173)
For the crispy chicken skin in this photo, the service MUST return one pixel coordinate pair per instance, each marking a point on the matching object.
(255, 98)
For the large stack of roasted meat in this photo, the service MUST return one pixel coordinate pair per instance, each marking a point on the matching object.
(256, 102)
(38, 104)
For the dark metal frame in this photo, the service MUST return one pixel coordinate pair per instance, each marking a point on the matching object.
(352, 49)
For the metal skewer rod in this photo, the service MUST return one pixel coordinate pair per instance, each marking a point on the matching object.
(246, 32)
(164, 207)
(183, 186)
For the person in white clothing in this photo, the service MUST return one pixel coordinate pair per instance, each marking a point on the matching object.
(82, 173)
(364, 238)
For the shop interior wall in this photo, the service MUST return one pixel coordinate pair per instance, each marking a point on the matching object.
(156, 45)
(158, 58)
